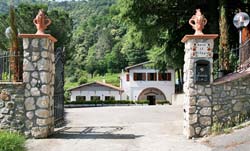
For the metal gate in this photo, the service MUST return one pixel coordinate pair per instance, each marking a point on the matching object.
(59, 88)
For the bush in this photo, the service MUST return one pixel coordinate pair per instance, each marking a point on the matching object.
(103, 102)
(11, 141)
(142, 102)
(82, 80)
(163, 102)
(118, 102)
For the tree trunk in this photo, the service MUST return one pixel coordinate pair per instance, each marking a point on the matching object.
(224, 50)
(14, 46)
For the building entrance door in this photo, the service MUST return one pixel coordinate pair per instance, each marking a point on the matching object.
(151, 99)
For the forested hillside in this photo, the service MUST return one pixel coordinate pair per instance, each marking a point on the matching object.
(98, 41)
(104, 36)
(101, 42)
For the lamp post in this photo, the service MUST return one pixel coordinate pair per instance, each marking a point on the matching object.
(240, 21)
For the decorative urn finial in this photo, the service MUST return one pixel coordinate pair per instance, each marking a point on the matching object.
(41, 21)
(198, 21)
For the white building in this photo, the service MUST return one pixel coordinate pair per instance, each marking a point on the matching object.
(138, 82)
(143, 82)
(95, 91)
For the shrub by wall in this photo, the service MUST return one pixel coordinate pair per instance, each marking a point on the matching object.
(11, 141)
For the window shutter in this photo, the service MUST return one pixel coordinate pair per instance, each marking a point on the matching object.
(168, 76)
(135, 76)
(160, 76)
(127, 77)
(144, 76)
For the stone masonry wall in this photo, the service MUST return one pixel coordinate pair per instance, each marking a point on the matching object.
(38, 77)
(28, 107)
(12, 112)
(231, 99)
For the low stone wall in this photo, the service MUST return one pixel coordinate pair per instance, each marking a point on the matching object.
(12, 110)
(230, 99)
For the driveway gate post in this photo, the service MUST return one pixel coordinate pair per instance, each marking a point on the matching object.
(38, 77)
(198, 69)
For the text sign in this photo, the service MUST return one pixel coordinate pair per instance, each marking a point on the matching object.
(201, 50)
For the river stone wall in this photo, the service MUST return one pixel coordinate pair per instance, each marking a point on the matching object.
(12, 110)
(231, 99)
(38, 77)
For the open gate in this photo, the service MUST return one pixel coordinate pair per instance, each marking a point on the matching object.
(59, 88)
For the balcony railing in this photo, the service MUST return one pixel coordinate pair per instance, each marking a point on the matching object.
(10, 66)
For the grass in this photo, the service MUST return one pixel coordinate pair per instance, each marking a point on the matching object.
(111, 78)
(11, 141)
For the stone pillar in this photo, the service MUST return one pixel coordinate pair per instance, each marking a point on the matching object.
(38, 77)
(198, 70)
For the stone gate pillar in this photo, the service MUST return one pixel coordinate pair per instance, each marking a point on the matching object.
(198, 70)
(38, 77)
(198, 76)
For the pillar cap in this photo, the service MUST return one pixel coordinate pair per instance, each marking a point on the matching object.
(205, 36)
(38, 36)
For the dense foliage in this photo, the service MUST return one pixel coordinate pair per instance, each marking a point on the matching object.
(104, 36)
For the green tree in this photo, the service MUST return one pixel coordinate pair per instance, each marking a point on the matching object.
(61, 27)
(134, 47)
(116, 60)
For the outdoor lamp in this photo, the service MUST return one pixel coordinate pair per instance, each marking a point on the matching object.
(8, 33)
(240, 21)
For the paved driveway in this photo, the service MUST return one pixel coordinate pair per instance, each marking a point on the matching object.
(132, 128)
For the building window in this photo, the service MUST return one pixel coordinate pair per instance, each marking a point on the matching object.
(80, 98)
(95, 98)
(127, 76)
(165, 76)
(139, 76)
(108, 98)
(151, 76)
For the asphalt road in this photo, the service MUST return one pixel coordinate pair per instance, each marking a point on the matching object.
(132, 128)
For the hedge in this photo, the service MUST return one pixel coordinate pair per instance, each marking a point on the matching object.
(117, 102)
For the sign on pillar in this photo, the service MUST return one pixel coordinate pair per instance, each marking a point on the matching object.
(198, 69)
